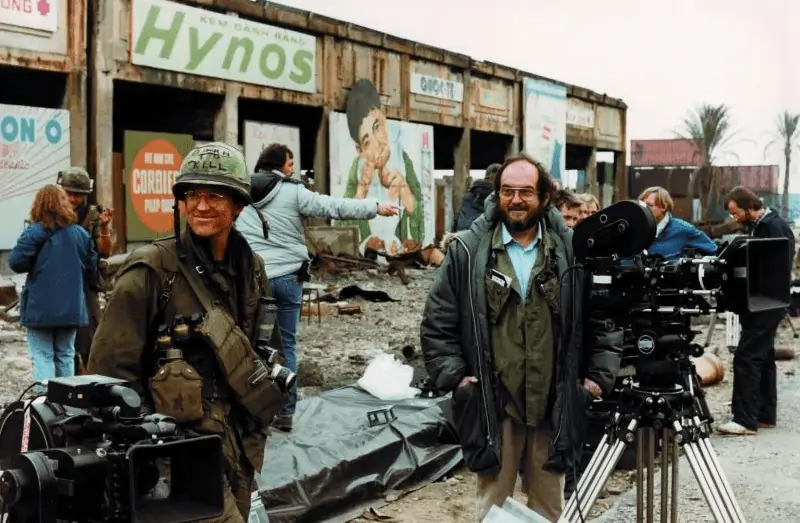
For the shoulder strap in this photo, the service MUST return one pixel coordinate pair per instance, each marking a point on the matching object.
(164, 298)
(197, 286)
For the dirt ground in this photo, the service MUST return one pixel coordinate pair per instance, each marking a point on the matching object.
(334, 350)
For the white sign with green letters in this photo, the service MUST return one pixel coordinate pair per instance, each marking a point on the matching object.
(189, 40)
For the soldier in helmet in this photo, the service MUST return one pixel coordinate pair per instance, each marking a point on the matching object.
(206, 269)
(97, 222)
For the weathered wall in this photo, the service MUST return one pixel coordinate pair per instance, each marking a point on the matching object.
(60, 50)
(36, 48)
(416, 83)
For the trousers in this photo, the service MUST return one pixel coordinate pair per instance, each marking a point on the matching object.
(755, 385)
(288, 291)
(524, 449)
(237, 496)
(238, 474)
(52, 353)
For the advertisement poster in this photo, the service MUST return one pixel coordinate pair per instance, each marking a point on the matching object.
(34, 147)
(41, 15)
(258, 135)
(391, 161)
(545, 130)
(152, 161)
(175, 37)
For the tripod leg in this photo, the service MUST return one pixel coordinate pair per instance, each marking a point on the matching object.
(703, 479)
(665, 450)
(639, 478)
(674, 455)
(718, 476)
(651, 472)
(595, 463)
(788, 318)
(587, 491)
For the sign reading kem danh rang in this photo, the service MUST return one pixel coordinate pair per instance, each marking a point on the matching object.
(175, 37)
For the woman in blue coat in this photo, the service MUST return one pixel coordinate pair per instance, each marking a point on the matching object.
(56, 253)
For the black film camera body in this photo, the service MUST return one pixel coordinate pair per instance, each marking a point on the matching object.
(84, 453)
(654, 301)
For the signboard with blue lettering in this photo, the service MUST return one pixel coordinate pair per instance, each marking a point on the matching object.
(34, 147)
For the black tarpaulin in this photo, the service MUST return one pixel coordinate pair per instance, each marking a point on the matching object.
(334, 463)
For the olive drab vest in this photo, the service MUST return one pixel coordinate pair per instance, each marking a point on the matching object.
(174, 296)
(523, 331)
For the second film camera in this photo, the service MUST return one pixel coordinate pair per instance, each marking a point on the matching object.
(86, 453)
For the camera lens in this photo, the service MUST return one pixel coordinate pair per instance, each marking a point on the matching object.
(283, 377)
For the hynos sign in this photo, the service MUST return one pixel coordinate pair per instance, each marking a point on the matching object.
(189, 40)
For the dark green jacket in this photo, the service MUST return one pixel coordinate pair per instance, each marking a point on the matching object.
(455, 340)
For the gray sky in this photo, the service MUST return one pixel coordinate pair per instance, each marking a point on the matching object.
(661, 57)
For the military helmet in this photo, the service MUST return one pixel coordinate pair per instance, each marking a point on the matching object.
(214, 164)
(75, 180)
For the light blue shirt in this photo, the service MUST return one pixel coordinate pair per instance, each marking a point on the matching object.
(522, 258)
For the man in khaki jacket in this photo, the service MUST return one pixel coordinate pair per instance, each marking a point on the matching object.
(209, 269)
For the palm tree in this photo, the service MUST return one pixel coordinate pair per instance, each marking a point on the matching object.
(788, 135)
(709, 127)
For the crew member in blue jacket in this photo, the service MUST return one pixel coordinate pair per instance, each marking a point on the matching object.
(56, 253)
(673, 235)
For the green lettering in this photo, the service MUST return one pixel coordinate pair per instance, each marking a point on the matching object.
(274, 73)
(198, 53)
(247, 46)
(149, 31)
(302, 73)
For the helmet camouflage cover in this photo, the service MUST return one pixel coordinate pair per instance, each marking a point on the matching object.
(214, 164)
(75, 180)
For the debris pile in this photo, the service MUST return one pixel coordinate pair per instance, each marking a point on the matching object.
(336, 250)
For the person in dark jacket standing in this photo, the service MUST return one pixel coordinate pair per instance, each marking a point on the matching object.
(497, 330)
(57, 254)
(473, 202)
(755, 388)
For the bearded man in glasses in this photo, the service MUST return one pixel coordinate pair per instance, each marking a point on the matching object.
(501, 329)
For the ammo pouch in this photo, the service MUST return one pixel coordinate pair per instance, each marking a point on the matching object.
(238, 362)
(177, 391)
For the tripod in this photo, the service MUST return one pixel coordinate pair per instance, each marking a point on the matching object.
(679, 418)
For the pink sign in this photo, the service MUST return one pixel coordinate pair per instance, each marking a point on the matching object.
(30, 14)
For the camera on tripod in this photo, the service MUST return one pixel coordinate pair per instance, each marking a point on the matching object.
(85, 453)
(654, 300)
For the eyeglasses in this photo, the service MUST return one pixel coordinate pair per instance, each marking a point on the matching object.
(213, 199)
(525, 193)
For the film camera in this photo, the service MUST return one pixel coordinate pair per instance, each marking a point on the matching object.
(654, 299)
(85, 453)
(658, 400)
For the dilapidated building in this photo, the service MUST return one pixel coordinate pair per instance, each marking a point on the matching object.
(145, 80)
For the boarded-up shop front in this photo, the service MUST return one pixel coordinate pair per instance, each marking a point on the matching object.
(437, 95)
(493, 119)
(168, 96)
(42, 103)
(566, 127)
